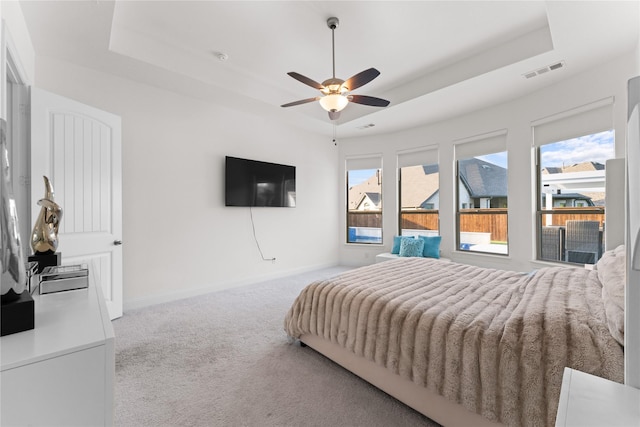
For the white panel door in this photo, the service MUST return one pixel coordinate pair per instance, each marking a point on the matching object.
(78, 148)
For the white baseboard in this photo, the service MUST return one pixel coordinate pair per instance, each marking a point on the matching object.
(200, 290)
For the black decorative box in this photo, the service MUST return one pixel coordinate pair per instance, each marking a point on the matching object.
(17, 315)
(45, 259)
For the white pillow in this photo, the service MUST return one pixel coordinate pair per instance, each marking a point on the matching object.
(612, 274)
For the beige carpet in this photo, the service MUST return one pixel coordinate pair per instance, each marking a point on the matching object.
(223, 359)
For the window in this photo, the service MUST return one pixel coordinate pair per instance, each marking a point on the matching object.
(419, 185)
(572, 149)
(571, 209)
(364, 200)
(481, 170)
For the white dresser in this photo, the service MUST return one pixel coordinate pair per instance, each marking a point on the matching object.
(61, 372)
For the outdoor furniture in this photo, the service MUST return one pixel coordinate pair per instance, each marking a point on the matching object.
(583, 241)
(552, 240)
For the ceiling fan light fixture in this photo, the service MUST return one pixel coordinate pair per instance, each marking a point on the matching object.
(334, 102)
(336, 92)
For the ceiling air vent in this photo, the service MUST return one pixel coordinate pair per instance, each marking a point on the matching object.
(543, 70)
(556, 65)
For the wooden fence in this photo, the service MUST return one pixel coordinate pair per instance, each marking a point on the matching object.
(560, 216)
(419, 220)
(364, 219)
(492, 221)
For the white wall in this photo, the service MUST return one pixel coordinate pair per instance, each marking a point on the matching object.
(177, 234)
(516, 117)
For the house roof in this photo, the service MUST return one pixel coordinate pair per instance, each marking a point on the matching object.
(551, 169)
(576, 167)
(419, 184)
(584, 167)
(483, 179)
(570, 196)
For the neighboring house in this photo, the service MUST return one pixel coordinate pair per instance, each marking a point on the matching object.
(370, 202)
(581, 179)
(358, 192)
(484, 184)
(571, 200)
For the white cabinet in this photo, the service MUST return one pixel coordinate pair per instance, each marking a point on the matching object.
(588, 400)
(61, 372)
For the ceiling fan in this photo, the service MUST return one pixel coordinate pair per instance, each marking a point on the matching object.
(336, 92)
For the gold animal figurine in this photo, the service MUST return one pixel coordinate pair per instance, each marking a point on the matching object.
(44, 238)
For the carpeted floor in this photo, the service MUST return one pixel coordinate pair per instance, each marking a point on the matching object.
(223, 359)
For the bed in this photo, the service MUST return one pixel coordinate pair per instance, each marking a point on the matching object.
(466, 345)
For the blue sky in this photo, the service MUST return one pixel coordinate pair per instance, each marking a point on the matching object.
(499, 159)
(360, 175)
(592, 148)
(598, 147)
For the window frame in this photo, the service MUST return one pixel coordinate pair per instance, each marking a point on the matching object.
(365, 162)
(572, 210)
(585, 120)
(421, 156)
(478, 146)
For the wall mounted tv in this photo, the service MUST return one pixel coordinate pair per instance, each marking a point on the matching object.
(255, 183)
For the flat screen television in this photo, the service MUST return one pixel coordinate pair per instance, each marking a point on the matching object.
(255, 183)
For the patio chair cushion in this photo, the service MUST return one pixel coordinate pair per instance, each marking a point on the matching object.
(611, 273)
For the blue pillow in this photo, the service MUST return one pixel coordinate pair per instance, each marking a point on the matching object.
(395, 249)
(431, 246)
(411, 247)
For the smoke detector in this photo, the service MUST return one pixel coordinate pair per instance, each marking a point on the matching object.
(544, 70)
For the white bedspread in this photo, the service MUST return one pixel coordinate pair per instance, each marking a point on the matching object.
(494, 341)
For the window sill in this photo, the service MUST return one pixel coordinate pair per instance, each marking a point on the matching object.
(462, 256)
(364, 245)
(487, 254)
(541, 264)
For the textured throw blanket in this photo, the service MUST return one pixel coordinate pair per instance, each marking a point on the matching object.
(494, 341)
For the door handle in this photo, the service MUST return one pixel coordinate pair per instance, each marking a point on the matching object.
(117, 242)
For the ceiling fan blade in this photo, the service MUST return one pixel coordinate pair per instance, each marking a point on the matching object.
(334, 115)
(361, 79)
(302, 101)
(368, 100)
(306, 80)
